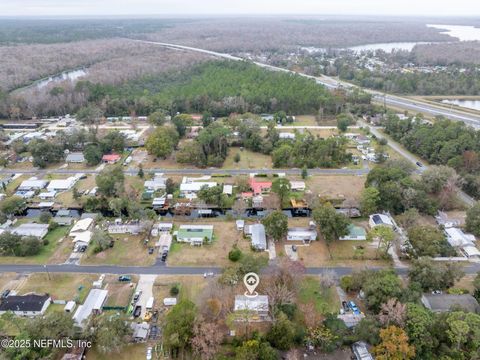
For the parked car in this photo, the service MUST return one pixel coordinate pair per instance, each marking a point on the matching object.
(5, 293)
(151, 250)
(153, 331)
(124, 278)
(352, 306)
(111, 243)
(82, 248)
(419, 164)
(136, 296)
(164, 256)
(149, 353)
(294, 248)
(137, 311)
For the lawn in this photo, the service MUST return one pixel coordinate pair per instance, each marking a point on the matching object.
(119, 293)
(326, 301)
(6, 279)
(213, 254)
(191, 286)
(66, 197)
(128, 250)
(248, 160)
(129, 352)
(60, 286)
(46, 252)
(304, 120)
(337, 186)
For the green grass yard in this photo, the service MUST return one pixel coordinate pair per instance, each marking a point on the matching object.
(325, 301)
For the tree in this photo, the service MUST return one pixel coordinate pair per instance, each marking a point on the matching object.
(101, 240)
(378, 286)
(393, 312)
(282, 333)
(140, 173)
(462, 333)
(332, 225)
(384, 235)
(178, 329)
(276, 225)
(110, 181)
(369, 200)
(12, 205)
(432, 275)
(394, 345)
(206, 340)
(113, 141)
(45, 217)
(281, 187)
(323, 338)
(343, 122)
(235, 254)
(16, 245)
(93, 154)
(157, 118)
(476, 287)
(472, 222)
(89, 114)
(110, 333)
(213, 195)
(304, 172)
(419, 323)
(436, 178)
(237, 158)
(181, 122)
(255, 350)
(162, 141)
(45, 152)
(427, 241)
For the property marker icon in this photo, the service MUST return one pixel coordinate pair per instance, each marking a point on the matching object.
(251, 281)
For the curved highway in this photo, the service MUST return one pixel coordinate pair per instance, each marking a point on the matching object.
(396, 101)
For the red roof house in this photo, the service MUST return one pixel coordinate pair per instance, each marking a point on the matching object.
(259, 187)
(111, 158)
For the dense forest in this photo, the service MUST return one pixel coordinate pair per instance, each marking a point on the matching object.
(448, 82)
(218, 87)
(444, 142)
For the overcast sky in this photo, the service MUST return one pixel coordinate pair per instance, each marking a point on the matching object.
(239, 7)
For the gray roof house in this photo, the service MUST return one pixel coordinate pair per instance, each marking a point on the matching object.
(75, 157)
(257, 234)
(25, 305)
(140, 331)
(31, 229)
(445, 302)
(93, 305)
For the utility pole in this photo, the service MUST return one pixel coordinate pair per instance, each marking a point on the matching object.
(46, 269)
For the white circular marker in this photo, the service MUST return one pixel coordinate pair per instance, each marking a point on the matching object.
(251, 281)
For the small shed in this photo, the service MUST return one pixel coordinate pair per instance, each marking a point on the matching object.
(70, 306)
(170, 301)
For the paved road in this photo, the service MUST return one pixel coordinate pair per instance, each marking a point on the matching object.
(180, 270)
(468, 200)
(397, 101)
(131, 171)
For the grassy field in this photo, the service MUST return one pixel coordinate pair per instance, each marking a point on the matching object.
(66, 198)
(325, 300)
(248, 160)
(46, 252)
(119, 293)
(128, 250)
(214, 254)
(341, 186)
(5, 279)
(59, 285)
(191, 286)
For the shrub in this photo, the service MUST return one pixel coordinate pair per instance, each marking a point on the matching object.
(174, 290)
(235, 254)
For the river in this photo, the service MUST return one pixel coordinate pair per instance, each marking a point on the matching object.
(461, 32)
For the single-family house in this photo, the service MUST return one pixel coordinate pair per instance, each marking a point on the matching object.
(25, 305)
(381, 219)
(355, 233)
(195, 234)
(297, 185)
(62, 184)
(25, 194)
(81, 226)
(157, 183)
(159, 202)
(75, 157)
(251, 308)
(259, 187)
(457, 238)
(164, 242)
(134, 228)
(360, 351)
(257, 233)
(47, 195)
(82, 238)
(191, 188)
(228, 189)
(31, 229)
(32, 184)
(111, 158)
(164, 227)
(304, 234)
(63, 217)
(93, 305)
(445, 302)
(140, 331)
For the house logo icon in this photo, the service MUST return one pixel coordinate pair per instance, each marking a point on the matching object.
(251, 281)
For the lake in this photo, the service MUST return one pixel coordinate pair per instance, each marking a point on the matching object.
(469, 104)
(67, 75)
(461, 32)
(387, 47)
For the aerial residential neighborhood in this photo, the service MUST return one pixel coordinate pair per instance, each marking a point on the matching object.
(238, 188)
